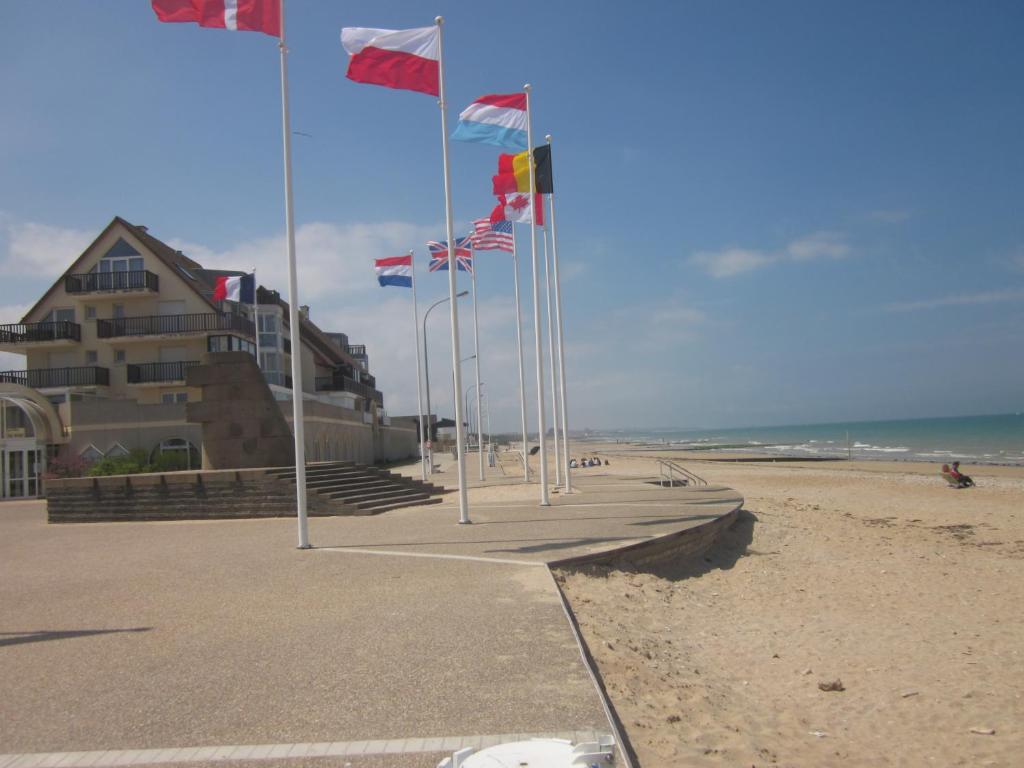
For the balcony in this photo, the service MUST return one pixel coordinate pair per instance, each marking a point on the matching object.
(345, 384)
(61, 332)
(153, 373)
(98, 282)
(42, 378)
(159, 325)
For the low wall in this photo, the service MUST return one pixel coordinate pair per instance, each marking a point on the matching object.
(690, 542)
(193, 495)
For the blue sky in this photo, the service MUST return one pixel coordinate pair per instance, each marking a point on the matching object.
(768, 213)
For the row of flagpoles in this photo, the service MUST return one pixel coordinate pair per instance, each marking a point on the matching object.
(413, 59)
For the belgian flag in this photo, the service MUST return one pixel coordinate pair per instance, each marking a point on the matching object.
(514, 172)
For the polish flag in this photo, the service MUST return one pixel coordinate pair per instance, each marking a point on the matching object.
(406, 59)
(236, 15)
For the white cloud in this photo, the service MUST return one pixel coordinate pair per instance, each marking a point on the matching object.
(990, 297)
(730, 262)
(40, 250)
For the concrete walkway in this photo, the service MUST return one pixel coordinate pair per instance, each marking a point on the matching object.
(397, 639)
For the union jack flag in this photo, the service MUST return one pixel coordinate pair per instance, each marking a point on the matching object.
(492, 235)
(439, 255)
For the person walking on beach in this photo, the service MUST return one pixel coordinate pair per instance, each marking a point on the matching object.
(962, 479)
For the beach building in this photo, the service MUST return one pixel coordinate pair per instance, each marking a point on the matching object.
(108, 346)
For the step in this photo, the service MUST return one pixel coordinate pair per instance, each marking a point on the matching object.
(386, 493)
(376, 509)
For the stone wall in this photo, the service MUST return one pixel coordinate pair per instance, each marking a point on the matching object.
(176, 496)
(242, 423)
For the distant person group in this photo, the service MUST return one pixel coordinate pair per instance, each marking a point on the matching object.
(584, 462)
(955, 477)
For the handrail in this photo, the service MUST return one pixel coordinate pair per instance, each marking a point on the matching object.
(59, 330)
(166, 324)
(668, 470)
(134, 280)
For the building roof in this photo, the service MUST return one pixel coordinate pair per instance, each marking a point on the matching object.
(176, 261)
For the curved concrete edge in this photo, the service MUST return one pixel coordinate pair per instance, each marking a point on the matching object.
(688, 542)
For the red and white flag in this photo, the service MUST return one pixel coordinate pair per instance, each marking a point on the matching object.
(406, 59)
(236, 15)
(515, 206)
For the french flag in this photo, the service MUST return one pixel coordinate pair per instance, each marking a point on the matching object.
(394, 270)
(406, 59)
(498, 119)
(241, 288)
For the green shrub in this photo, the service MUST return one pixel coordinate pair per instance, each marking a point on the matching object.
(132, 464)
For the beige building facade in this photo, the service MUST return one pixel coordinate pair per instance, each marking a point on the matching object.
(107, 349)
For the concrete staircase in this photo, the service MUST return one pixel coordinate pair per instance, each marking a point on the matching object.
(355, 489)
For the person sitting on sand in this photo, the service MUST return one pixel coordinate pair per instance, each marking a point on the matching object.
(572, 463)
(962, 479)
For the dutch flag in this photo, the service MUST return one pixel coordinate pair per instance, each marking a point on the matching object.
(394, 270)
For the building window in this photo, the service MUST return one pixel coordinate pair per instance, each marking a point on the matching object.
(169, 398)
(90, 357)
(230, 344)
(271, 365)
(117, 450)
(269, 326)
(176, 454)
(91, 453)
(118, 311)
(119, 356)
(90, 313)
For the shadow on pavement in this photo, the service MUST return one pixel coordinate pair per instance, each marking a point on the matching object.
(41, 636)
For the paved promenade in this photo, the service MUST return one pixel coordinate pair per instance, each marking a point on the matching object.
(395, 640)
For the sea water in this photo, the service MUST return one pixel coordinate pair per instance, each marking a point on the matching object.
(970, 439)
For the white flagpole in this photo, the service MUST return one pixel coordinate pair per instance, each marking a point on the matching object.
(298, 425)
(551, 355)
(561, 336)
(419, 389)
(256, 316)
(460, 446)
(476, 351)
(519, 349)
(541, 438)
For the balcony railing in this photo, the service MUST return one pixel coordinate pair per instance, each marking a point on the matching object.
(28, 333)
(345, 384)
(356, 350)
(41, 378)
(146, 373)
(153, 325)
(135, 280)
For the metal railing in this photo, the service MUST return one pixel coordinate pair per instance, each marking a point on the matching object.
(151, 325)
(145, 373)
(345, 384)
(134, 280)
(669, 471)
(27, 333)
(41, 378)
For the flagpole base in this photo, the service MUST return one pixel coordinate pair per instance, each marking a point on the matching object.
(465, 522)
(304, 546)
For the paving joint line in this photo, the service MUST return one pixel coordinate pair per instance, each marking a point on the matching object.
(253, 752)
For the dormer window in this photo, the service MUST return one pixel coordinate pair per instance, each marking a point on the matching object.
(121, 258)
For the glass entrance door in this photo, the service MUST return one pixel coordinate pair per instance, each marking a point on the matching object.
(20, 472)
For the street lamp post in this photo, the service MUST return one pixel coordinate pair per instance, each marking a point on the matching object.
(426, 373)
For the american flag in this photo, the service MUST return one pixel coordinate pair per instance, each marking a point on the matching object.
(439, 255)
(488, 236)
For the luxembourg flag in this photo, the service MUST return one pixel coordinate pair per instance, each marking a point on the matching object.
(394, 270)
(406, 59)
(498, 119)
(240, 288)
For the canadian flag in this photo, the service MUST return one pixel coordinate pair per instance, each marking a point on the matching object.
(236, 15)
(515, 206)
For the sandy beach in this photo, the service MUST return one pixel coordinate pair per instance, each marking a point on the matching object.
(874, 578)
